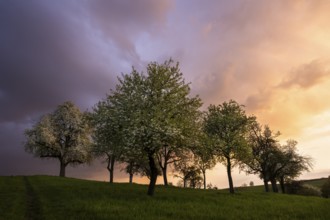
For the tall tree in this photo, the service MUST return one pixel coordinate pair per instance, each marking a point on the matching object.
(227, 125)
(155, 110)
(63, 135)
(170, 154)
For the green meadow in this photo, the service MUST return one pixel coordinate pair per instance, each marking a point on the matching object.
(317, 183)
(49, 197)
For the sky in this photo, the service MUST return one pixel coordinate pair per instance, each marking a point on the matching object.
(271, 56)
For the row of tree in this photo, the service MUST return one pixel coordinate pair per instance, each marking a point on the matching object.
(150, 122)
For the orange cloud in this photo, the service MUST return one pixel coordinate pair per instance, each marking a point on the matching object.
(307, 75)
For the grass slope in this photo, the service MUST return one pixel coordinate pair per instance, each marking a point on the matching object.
(318, 183)
(63, 198)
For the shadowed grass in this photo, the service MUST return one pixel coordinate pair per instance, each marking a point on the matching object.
(33, 206)
(65, 198)
(12, 198)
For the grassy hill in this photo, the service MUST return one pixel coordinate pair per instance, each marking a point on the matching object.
(47, 197)
(315, 182)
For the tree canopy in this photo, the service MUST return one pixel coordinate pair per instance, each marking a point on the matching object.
(63, 134)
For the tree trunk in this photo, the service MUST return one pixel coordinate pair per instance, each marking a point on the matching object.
(110, 176)
(266, 185)
(163, 166)
(230, 179)
(62, 169)
(184, 182)
(153, 175)
(164, 170)
(204, 178)
(282, 184)
(130, 172)
(274, 186)
(110, 167)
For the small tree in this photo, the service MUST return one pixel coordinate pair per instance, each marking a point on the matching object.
(285, 162)
(132, 168)
(135, 165)
(63, 135)
(292, 163)
(263, 145)
(271, 160)
(195, 179)
(166, 156)
(209, 186)
(190, 176)
(185, 168)
(204, 158)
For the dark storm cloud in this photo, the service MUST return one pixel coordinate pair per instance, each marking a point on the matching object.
(44, 59)
(54, 51)
(43, 63)
(49, 54)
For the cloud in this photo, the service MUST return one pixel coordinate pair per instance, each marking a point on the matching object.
(307, 75)
(44, 60)
(54, 51)
(270, 56)
(51, 51)
(122, 21)
(290, 105)
(248, 51)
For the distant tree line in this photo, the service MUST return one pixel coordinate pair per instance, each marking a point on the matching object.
(151, 123)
